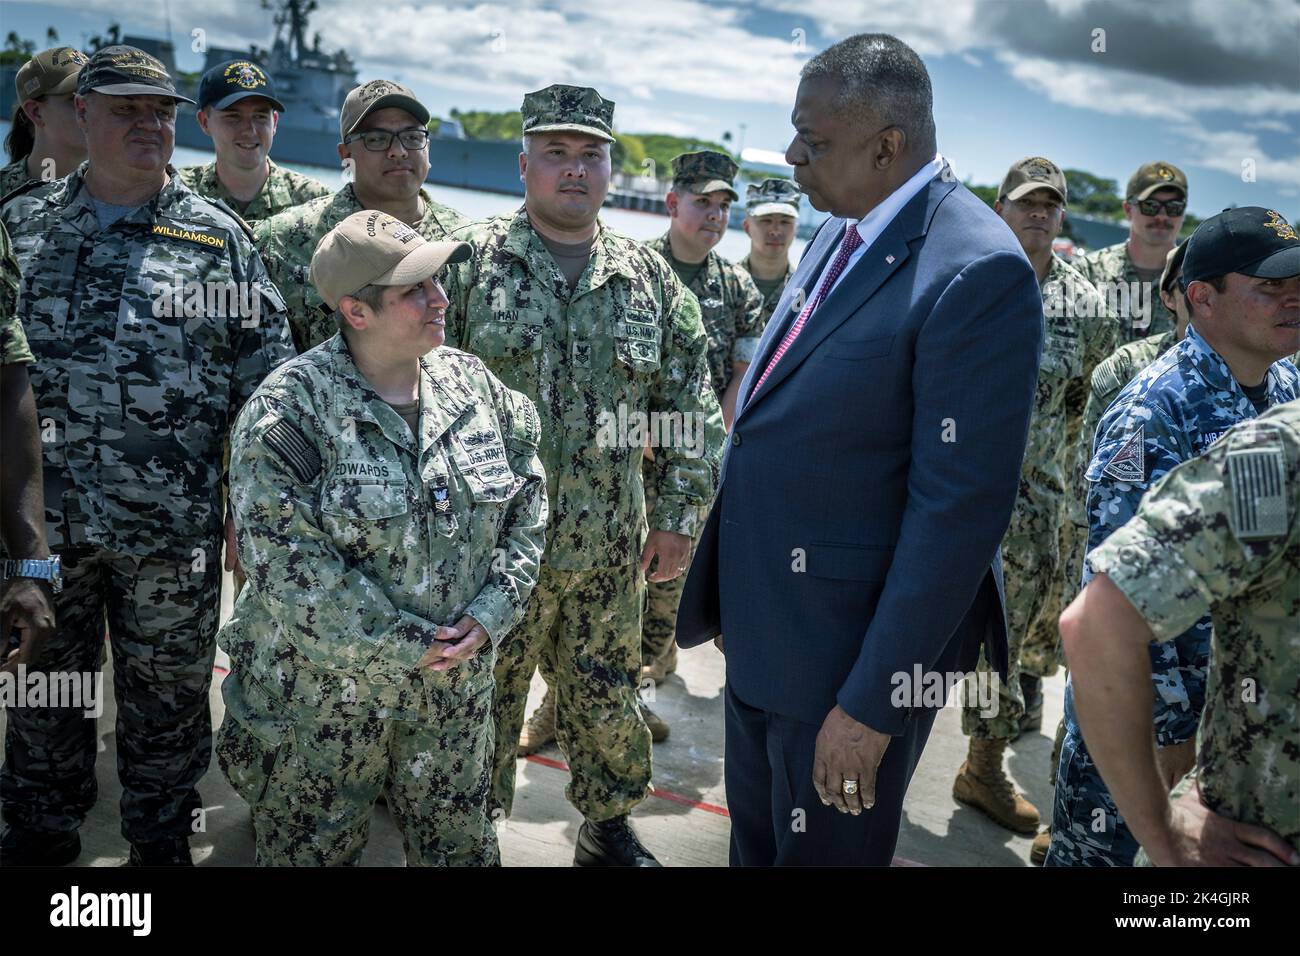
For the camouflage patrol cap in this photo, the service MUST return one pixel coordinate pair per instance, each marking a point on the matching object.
(378, 95)
(126, 71)
(373, 248)
(705, 171)
(49, 73)
(772, 197)
(1155, 176)
(568, 109)
(1033, 172)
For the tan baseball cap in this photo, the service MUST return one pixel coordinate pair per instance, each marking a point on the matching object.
(49, 73)
(372, 248)
(1033, 172)
(1155, 176)
(378, 95)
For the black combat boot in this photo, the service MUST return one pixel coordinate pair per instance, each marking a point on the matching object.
(611, 843)
(168, 852)
(19, 847)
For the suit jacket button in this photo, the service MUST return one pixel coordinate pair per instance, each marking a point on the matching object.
(735, 439)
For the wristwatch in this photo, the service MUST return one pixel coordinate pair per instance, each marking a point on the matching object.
(48, 570)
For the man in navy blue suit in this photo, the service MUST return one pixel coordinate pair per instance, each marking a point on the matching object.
(850, 561)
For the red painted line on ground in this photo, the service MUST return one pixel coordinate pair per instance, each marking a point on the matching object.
(655, 791)
(688, 802)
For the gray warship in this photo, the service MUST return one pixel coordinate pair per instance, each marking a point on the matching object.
(313, 83)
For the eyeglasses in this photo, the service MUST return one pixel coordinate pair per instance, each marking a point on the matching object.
(379, 140)
(1151, 207)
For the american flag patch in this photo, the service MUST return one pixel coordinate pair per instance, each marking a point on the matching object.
(1258, 491)
(287, 441)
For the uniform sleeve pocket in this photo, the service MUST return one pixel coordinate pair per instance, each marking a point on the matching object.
(636, 340)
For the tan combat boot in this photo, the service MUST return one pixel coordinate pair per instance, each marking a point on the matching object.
(539, 730)
(982, 783)
(658, 729)
(660, 668)
(1038, 852)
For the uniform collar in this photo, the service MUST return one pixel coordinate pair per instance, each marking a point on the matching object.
(79, 204)
(1211, 366)
(748, 266)
(345, 203)
(709, 276)
(355, 398)
(607, 258)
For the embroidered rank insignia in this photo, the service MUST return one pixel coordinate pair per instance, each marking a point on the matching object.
(1258, 489)
(441, 499)
(1129, 463)
(293, 448)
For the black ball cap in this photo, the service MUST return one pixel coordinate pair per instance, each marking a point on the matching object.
(1250, 240)
(228, 83)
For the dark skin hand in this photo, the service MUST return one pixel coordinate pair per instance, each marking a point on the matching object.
(847, 750)
(26, 605)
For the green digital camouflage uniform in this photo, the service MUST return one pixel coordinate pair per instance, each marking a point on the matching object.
(360, 540)
(773, 297)
(628, 337)
(12, 176)
(771, 197)
(139, 379)
(733, 314)
(288, 239)
(1079, 333)
(14, 349)
(1220, 534)
(282, 190)
(1112, 272)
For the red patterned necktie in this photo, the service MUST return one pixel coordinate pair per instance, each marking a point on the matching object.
(852, 239)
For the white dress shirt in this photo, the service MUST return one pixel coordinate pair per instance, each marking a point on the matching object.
(875, 222)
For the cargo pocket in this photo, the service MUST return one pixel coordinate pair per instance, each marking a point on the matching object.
(255, 740)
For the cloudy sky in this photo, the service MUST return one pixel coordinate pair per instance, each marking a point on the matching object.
(1104, 85)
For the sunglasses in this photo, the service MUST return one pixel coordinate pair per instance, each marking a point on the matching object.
(378, 140)
(1152, 207)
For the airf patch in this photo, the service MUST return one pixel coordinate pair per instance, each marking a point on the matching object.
(1257, 484)
(1129, 463)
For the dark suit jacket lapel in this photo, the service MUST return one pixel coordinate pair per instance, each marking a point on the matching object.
(890, 250)
(815, 259)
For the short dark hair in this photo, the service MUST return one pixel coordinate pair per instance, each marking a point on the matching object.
(882, 80)
(1218, 283)
(372, 295)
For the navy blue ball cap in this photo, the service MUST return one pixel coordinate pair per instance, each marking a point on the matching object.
(1250, 240)
(229, 82)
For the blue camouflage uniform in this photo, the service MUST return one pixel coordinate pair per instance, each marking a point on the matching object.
(1172, 411)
